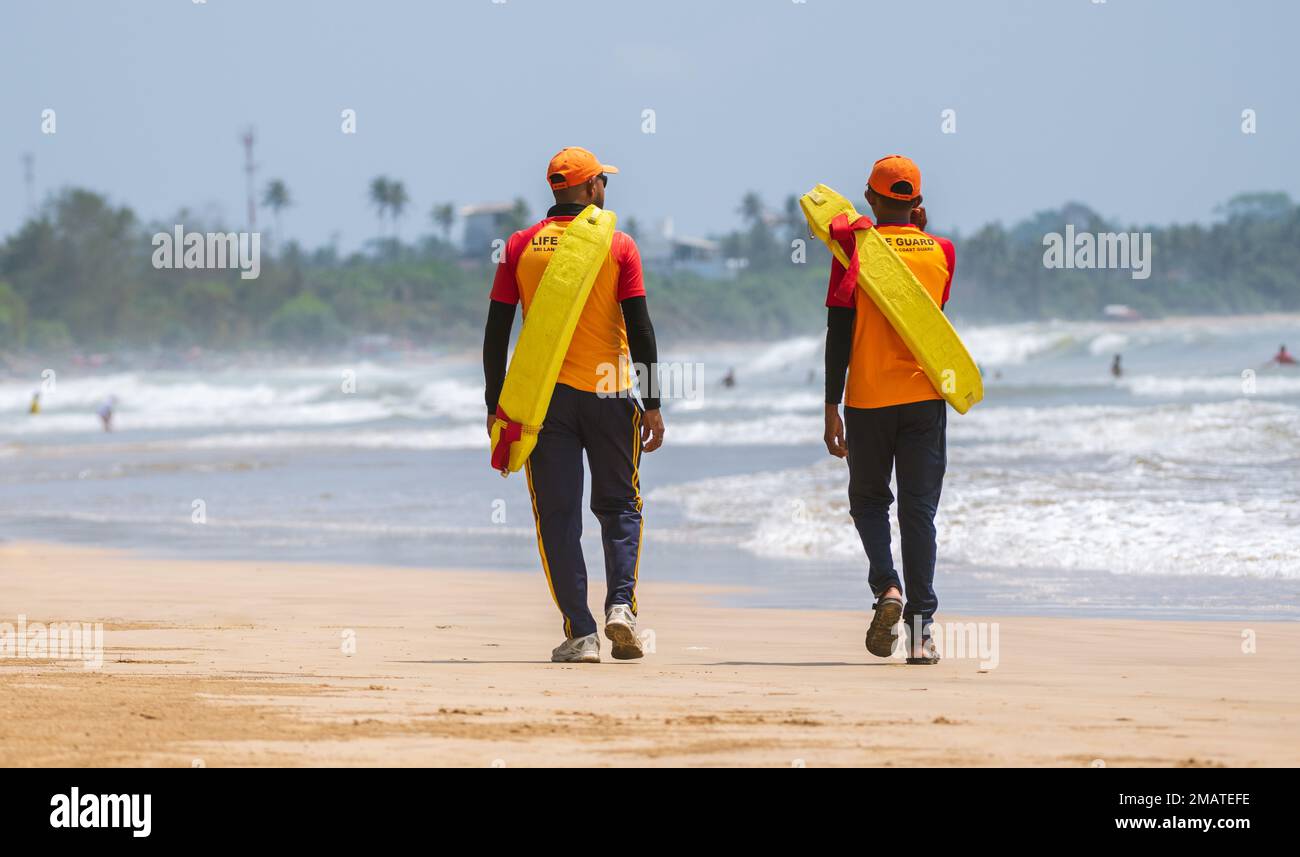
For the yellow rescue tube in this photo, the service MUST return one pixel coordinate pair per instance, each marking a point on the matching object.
(919, 321)
(548, 327)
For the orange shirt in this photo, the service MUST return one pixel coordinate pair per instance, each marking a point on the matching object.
(593, 360)
(882, 371)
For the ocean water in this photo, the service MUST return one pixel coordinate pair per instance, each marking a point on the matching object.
(1171, 492)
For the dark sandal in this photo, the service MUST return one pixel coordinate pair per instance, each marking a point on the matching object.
(881, 637)
(931, 653)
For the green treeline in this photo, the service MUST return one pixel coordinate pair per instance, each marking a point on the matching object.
(80, 275)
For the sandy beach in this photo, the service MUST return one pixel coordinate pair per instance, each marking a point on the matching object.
(239, 663)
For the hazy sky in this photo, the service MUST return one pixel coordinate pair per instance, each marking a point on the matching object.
(1130, 106)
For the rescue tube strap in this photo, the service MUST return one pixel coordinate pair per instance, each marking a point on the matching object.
(842, 231)
(510, 433)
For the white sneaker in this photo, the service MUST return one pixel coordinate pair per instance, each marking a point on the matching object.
(577, 650)
(620, 628)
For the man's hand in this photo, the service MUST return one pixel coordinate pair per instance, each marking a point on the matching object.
(491, 419)
(835, 432)
(652, 430)
(918, 217)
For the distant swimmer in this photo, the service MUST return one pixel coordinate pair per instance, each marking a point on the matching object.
(105, 412)
(36, 404)
(1283, 357)
(1116, 369)
(729, 380)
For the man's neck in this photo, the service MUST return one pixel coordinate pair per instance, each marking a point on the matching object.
(565, 209)
(891, 218)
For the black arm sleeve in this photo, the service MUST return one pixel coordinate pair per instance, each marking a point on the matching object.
(645, 353)
(496, 348)
(839, 345)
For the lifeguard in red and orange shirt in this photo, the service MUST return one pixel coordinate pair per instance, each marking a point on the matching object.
(895, 421)
(592, 412)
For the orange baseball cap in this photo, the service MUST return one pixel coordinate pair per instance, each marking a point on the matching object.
(573, 166)
(896, 177)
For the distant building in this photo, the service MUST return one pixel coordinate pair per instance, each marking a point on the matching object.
(483, 224)
(664, 250)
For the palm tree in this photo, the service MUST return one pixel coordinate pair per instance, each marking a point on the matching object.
(379, 196)
(759, 239)
(397, 200)
(794, 218)
(751, 208)
(276, 197)
(444, 216)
